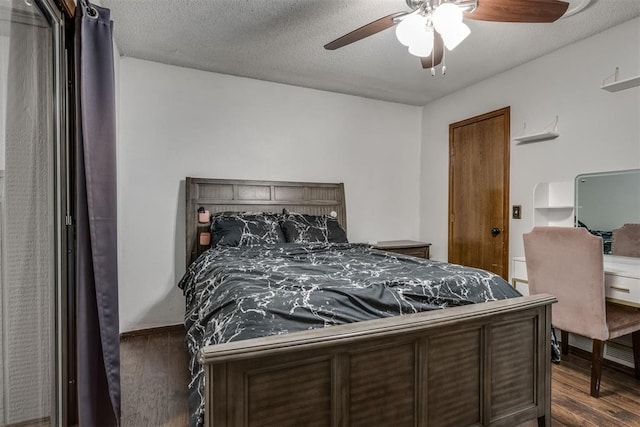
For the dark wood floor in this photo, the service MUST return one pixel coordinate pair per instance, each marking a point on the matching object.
(155, 378)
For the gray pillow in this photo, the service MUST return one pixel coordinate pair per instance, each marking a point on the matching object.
(300, 228)
(246, 229)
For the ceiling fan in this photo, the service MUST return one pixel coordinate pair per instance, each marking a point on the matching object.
(436, 24)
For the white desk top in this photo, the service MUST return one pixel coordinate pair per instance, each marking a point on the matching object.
(622, 266)
(613, 264)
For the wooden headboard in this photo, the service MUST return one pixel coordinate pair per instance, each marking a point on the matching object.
(229, 195)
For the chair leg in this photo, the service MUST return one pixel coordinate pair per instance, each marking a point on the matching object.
(565, 342)
(636, 352)
(596, 366)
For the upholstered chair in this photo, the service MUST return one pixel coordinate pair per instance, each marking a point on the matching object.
(568, 262)
(626, 241)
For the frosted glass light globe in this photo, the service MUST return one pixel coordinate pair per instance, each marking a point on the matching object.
(446, 16)
(422, 46)
(454, 36)
(411, 28)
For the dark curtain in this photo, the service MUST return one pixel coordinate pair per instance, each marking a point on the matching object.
(98, 346)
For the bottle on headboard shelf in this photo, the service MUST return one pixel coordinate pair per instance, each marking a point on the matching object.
(203, 215)
(205, 239)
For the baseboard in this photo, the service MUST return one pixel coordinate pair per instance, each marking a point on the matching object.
(153, 331)
(40, 422)
(621, 354)
(584, 354)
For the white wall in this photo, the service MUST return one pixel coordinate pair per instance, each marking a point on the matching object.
(599, 130)
(176, 122)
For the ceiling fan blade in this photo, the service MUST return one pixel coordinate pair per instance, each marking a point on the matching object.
(365, 31)
(436, 56)
(539, 11)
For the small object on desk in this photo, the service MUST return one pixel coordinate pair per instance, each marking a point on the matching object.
(407, 247)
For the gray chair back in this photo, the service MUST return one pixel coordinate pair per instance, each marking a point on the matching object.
(626, 241)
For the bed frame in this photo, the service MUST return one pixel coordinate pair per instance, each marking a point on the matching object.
(483, 364)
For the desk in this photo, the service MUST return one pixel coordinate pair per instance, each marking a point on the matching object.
(621, 278)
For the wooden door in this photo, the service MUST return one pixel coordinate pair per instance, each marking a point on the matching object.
(479, 192)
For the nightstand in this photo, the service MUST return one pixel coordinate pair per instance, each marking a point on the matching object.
(406, 247)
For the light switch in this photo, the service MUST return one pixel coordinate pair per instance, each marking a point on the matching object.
(517, 212)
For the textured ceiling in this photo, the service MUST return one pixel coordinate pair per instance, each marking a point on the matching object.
(282, 41)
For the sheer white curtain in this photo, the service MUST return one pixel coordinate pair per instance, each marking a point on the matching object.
(27, 249)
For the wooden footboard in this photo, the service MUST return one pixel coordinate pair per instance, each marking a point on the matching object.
(484, 364)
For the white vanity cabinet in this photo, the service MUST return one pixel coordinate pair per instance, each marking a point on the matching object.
(603, 202)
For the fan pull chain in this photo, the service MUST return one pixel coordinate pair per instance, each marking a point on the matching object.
(444, 61)
(433, 59)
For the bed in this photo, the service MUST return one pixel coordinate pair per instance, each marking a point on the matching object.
(479, 363)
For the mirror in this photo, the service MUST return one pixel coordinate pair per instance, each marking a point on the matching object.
(606, 201)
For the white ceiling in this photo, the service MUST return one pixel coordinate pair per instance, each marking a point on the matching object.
(282, 41)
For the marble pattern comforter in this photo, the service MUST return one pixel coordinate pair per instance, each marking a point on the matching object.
(236, 293)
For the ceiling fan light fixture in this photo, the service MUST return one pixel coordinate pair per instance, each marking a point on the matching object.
(455, 35)
(411, 28)
(422, 46)
(436, 26)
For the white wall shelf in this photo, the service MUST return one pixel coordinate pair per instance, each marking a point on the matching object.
(553, 204)
(538, 136)
(553, 207)
(618, 85)
(622, 84)
(542, 136)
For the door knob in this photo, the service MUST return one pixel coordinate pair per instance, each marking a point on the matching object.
(495, 231)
